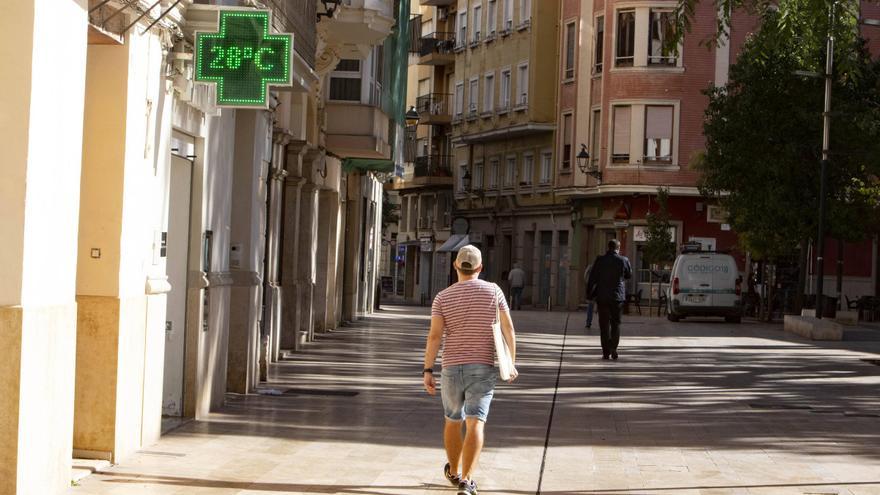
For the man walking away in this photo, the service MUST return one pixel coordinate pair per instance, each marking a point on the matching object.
(462, 318)
(517, 279)
(589, 299)
(606, 287)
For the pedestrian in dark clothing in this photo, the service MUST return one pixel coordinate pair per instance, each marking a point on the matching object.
(606, 287)
(590, 302)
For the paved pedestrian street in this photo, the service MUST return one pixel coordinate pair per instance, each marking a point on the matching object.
(697, 407)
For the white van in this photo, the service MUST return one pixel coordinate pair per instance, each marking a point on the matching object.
(705, 284)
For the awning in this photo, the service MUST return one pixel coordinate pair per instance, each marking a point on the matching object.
(455, 242)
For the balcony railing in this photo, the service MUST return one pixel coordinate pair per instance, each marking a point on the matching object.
(434, 104)
(437, 43)
(433, 166)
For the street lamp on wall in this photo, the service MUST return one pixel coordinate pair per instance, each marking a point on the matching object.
(583, 161)
(329, 8)
(412, 117)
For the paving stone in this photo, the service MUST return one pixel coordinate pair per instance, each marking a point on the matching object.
(697, 407)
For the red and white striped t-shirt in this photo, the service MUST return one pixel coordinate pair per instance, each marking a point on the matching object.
(468, 311)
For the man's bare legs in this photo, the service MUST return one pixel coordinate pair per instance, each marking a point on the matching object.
(453, 441)
(473, 445)
(463, 452)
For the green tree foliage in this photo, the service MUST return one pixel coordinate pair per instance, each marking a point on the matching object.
(659, 247)
(764, 135)
(390, 211)
(805, 20)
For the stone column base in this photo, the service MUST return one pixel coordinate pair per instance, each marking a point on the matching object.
(37, 370)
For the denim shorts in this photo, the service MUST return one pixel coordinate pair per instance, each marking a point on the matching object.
(466, 390)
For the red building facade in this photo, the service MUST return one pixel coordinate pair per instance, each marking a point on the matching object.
(638, 112)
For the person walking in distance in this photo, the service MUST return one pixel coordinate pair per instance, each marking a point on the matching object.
(605, 286)
(589, 299)
(461, 318)
(517, 279)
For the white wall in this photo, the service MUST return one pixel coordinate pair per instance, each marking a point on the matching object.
(41, 137)
(54, 158)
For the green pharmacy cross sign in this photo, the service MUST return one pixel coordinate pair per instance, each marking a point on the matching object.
(243, 59)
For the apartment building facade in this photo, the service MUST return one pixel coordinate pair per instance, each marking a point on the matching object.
(421, 265)
(504, 158)
(637, 110)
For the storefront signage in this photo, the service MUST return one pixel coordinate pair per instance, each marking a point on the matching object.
(427, 244)
(640, 234)
(243, 59)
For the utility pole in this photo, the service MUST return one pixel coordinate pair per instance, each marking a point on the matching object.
(823, 170)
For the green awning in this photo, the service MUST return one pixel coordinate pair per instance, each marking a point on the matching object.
(367, 164)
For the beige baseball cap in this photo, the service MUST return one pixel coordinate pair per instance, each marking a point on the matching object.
(469, 258)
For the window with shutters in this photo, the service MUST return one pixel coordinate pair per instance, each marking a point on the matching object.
(546, 167)
(462, 28)
(459, 99)
(510, 172)
(478, 23)
(477, 180)
(567, 133)
(489, 93)
(525, 12)
(504, 103)
(658, 133)
(522, 85)
(493, 174)
(570, 43)
(599, 56)
(473, 95)
(528, 169)
(508, 16)
(620, 143)
(491, 17)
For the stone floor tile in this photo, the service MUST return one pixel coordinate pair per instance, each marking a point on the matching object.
(691, 408)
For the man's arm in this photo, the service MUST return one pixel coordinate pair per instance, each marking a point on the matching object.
(591, 281)
(627, 269)
(432, 347)
(509, 336)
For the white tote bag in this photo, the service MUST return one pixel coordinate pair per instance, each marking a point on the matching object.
(502, 352)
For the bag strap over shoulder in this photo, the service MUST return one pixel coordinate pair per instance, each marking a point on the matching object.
(497, 302)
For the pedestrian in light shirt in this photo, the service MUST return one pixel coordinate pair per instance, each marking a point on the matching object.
(517, 279)
(461, 319)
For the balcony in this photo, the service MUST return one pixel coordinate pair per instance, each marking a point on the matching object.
(355, 130)
(431, 170)
(437, 49)
(437, 3)
(434, 109)
(357, 26)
